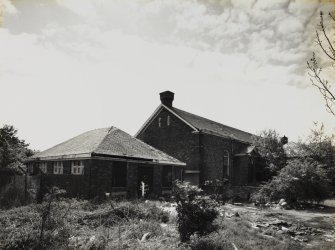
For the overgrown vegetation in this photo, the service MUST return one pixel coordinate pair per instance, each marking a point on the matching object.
(75, 224)
(270, 146)
(308, 174)
(300, 180)
(196, 213)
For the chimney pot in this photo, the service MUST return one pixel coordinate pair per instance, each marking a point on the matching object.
(167, 98)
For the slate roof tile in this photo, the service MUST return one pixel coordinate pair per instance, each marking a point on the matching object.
(212, 127)
(108, 142)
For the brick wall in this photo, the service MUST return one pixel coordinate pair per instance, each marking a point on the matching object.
(75, 185)
(97, 179)
(214, 149)
(176, 140)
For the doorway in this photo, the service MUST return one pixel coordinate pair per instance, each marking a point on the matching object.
(145, 174)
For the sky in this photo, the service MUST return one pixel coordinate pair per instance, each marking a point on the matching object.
(69, 66)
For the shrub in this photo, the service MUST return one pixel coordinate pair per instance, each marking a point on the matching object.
(301, 180)
(196, 213)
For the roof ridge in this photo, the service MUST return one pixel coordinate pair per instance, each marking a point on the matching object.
(104, 138)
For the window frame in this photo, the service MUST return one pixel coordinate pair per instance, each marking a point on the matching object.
(77, 167)
(159, 122)
(58, 167)
(168, 120)
(43, 167)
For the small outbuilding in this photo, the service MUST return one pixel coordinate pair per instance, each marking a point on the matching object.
(106, 161)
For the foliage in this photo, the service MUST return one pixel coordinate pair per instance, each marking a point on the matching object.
(37, 226)
(211, 242)
(152, 228)
(319, 147)
(215, 187)
(271, 148)
(13, 151)
(300, 181)
(196, 213)
(325, 41)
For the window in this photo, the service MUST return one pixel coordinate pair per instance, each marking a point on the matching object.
(43, 167)
(58, 167)
(167, 176)
(226, 163)
(77, 167)
(119, 174)
(168, 120)
(159, 122)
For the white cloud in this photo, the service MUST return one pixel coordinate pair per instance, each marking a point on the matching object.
(70, 60)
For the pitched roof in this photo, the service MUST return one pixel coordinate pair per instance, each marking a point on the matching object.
(212, 127)
(111, 142)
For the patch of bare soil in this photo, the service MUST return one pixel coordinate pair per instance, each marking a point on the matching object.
(312, 229)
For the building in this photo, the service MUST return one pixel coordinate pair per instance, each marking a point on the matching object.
(210, 150)
(106, 160)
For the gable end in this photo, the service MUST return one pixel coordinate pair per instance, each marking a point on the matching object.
(156, 113)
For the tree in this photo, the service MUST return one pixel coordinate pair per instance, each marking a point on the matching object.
(326, 42)
(309, 174)
(13, 151)
(318, 147)
(300, 180)
(270, 147)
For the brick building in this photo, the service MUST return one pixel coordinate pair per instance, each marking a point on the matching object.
(103, 161)
(211, 150)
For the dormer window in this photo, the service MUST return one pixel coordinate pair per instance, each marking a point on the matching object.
(168, 120)
(77, 167)
(58, 167)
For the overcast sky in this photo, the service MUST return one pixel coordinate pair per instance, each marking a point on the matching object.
(68, 66)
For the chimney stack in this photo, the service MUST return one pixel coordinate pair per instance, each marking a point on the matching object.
(167, 98)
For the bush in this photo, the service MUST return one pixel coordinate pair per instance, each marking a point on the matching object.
(302, 180)
(39, 226)
(196, 213)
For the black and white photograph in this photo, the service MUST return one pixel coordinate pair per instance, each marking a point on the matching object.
(167, 124)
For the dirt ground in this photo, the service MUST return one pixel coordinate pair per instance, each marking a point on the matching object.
(312, 229)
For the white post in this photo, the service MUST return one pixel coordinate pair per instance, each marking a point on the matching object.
(143, 188)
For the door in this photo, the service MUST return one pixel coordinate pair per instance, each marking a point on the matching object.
(145, 175)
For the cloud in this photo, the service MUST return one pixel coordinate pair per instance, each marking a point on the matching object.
(85, 55)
